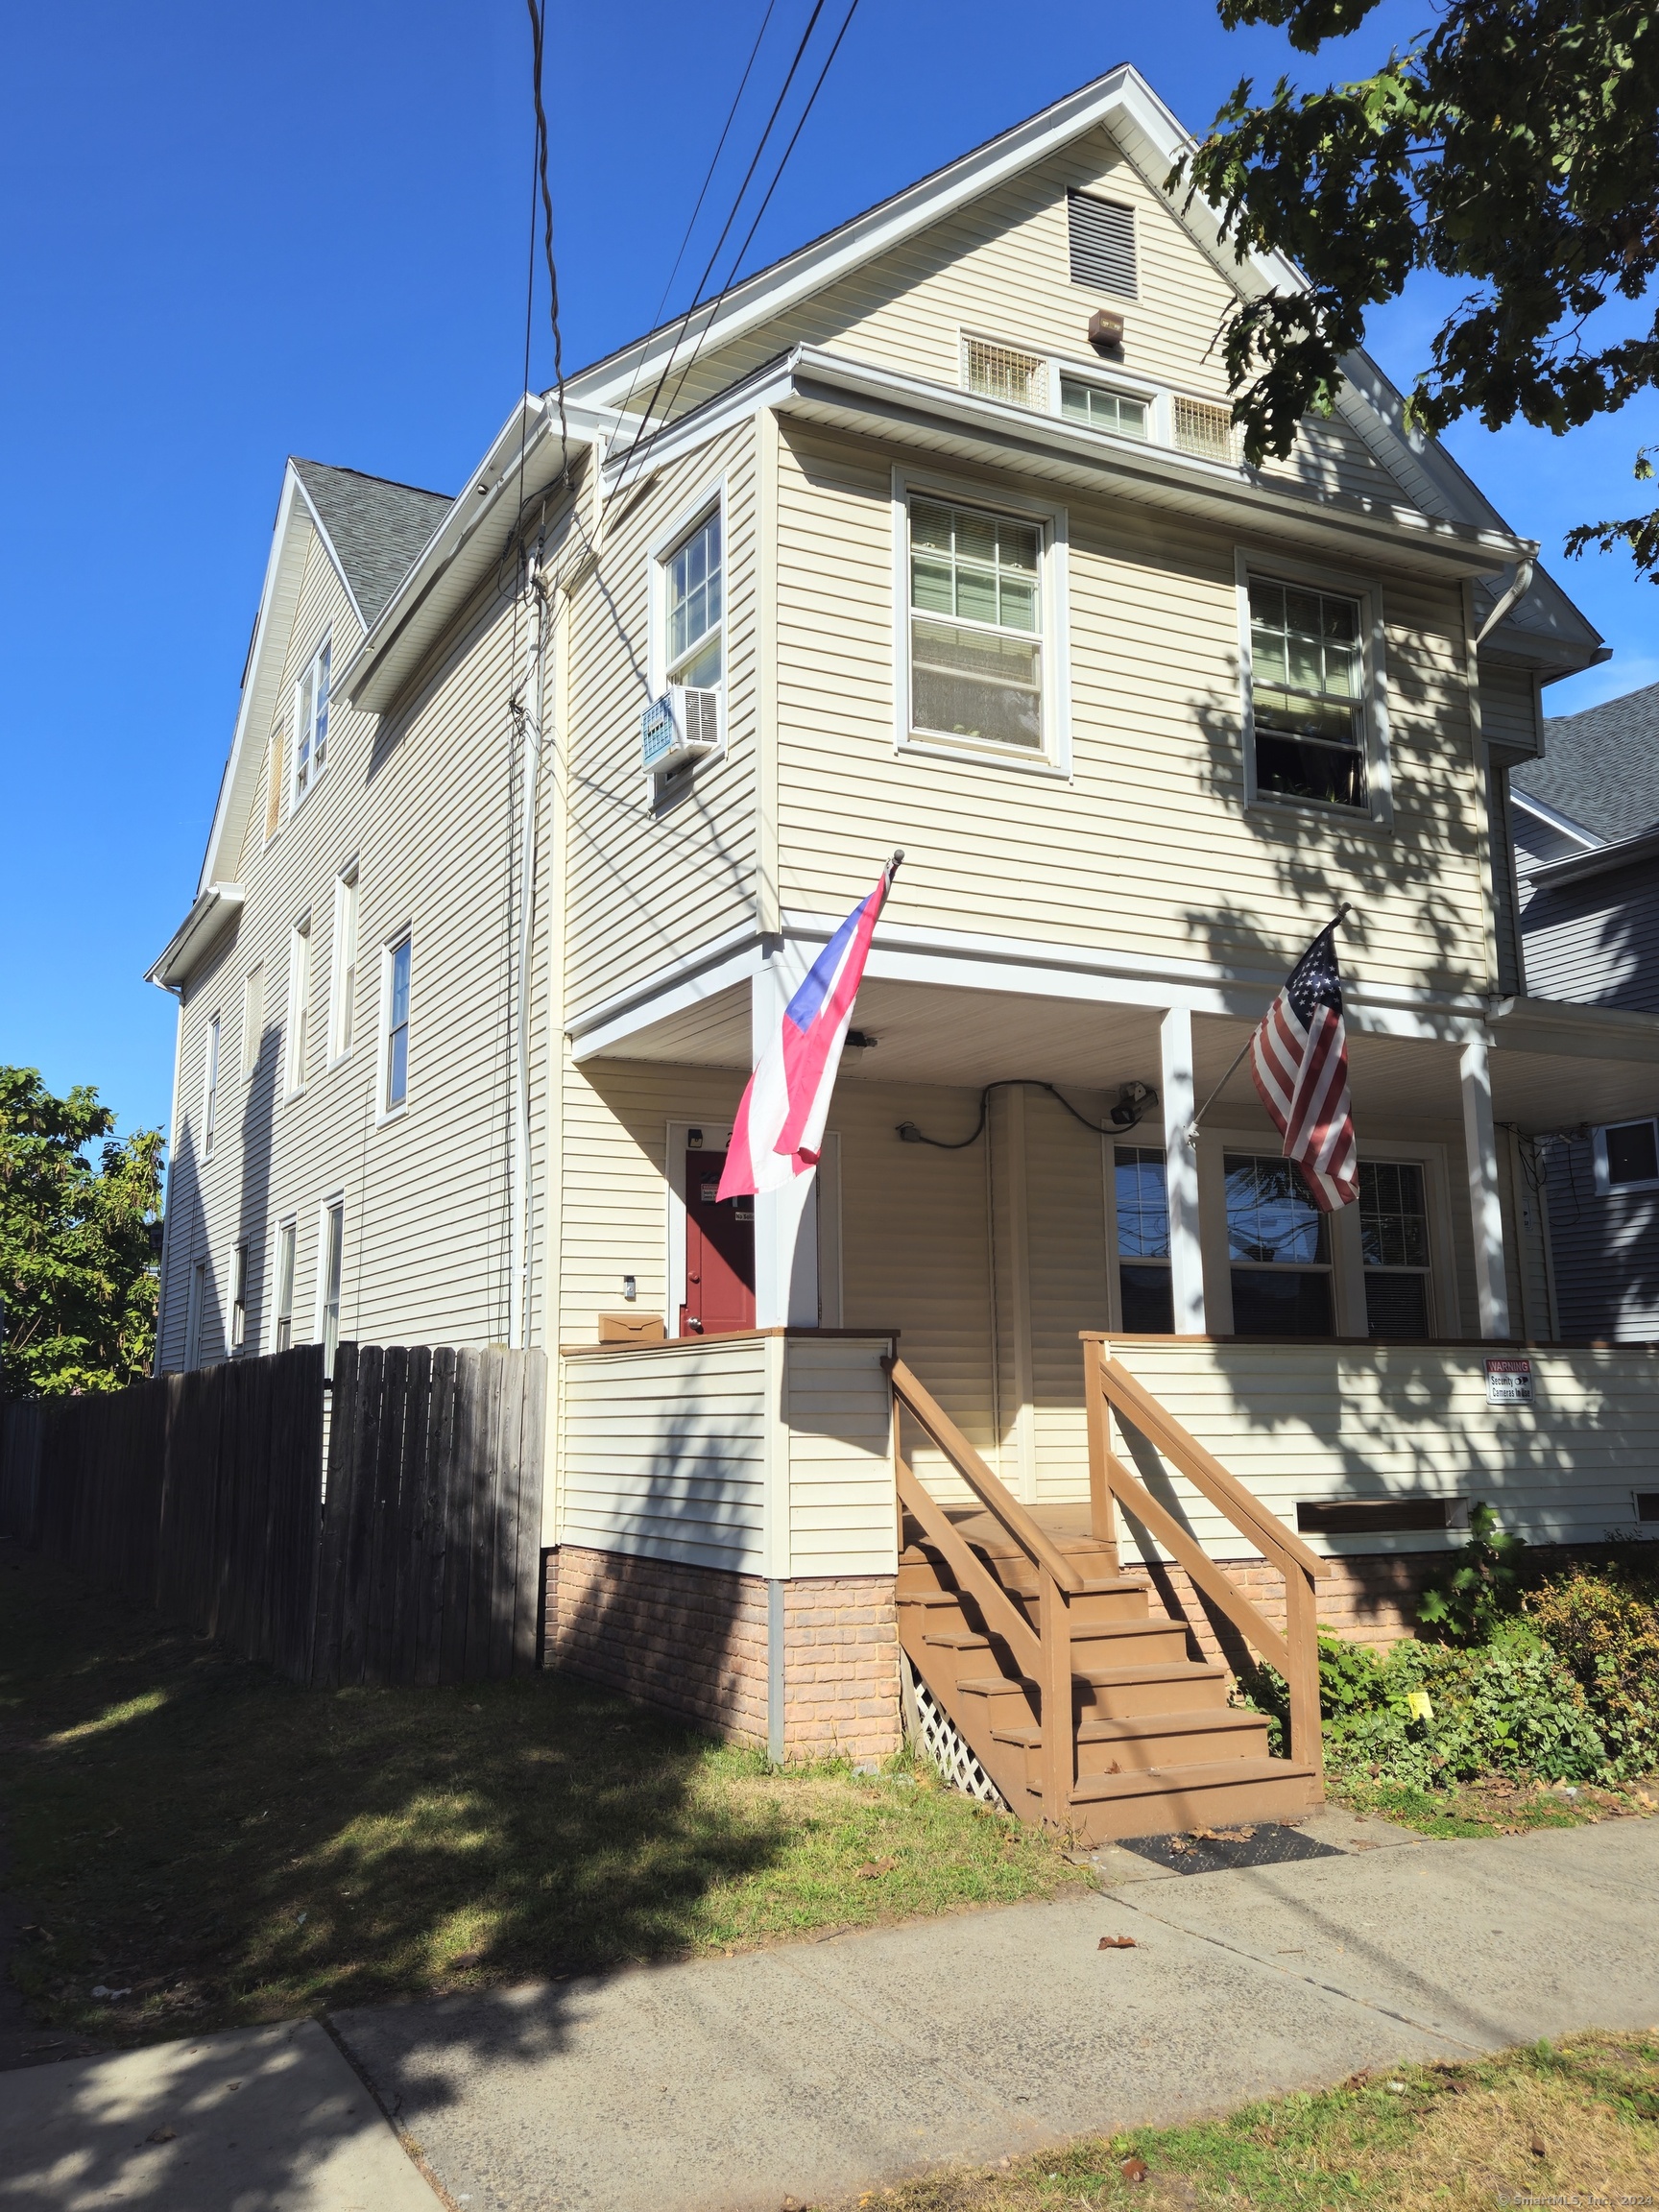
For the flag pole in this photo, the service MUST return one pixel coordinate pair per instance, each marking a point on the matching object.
(1346, 908)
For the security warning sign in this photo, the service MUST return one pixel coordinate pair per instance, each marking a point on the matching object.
(1509, 1382)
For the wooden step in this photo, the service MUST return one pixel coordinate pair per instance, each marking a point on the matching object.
(1154, 1739)
(1164, 1799)
(1114, 1643)
(1121, 1692)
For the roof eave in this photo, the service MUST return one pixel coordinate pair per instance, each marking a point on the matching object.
(1626, 853)
(211, 915)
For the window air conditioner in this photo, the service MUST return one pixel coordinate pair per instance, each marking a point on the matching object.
(681, 726)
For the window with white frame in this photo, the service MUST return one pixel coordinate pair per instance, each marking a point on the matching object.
(239, 1297)
(252, 1017)
(1279, 1247)
(194, 1314)
(394, 1060)
(287, 1241)
(1104, 408)
(1394, 1244)
(1307, 694)
(343, 983)
(299, 1005)
(311, 722)
(211, 1088)
(694, 606)
(976, 675)
(1626, 1156)
(1142, 1207)
(1004, 372)
(330, 1268)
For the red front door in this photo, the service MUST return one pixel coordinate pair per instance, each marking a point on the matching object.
(719, 1253)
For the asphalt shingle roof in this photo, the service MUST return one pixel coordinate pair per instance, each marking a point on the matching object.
(377, 527)
(1600, 768)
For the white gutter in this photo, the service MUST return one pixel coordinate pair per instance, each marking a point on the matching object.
(214, 910)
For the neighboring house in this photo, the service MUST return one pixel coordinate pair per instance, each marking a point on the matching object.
(1586, 817)
(936, 534)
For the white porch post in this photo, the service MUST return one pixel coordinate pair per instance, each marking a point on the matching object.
(1181, 1173)
(1486, 1212)
(785, 1221)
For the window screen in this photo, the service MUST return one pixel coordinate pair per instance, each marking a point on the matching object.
(1633, 1154)
(1102, 240)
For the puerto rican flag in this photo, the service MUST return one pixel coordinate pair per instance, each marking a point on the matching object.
(1299, 1058)
(778, 1131)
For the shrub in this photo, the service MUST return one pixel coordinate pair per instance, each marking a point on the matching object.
(1603, 1626)
(1481, 1589)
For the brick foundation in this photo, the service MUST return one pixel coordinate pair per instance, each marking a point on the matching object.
(694, 1641)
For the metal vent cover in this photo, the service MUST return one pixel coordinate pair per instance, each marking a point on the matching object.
(1103, 239)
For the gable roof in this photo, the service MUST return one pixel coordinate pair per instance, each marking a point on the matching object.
(1601, 768)
(377, 527)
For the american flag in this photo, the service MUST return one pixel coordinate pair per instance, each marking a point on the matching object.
(1299, 1058)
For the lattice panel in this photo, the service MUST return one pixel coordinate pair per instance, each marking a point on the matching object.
(932, 1728)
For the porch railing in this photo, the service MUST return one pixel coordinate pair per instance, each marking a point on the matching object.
(1111, 1387)
(1044, 1655)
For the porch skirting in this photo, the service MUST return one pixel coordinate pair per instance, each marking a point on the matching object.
(695, 1642)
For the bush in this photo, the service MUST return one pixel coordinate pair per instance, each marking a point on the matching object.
(1481, 1589)
(1602, 1624)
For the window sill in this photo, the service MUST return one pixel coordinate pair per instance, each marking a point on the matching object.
(926, 748)
(383, 1119)
(1324, 810)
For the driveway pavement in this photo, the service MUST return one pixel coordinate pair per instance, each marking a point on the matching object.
(818, 2069)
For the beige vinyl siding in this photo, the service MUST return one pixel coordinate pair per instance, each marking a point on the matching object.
(1505, 890)
(427, 804)
(999, 269)
(644, 887)
(1509, 707)
(1148, 848)
(668, 1455)
(1314, 1422)
(837, 1432)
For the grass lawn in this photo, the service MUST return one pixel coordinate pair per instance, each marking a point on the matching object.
(1496, 1806)
(1572, 2123)
(226, 1848)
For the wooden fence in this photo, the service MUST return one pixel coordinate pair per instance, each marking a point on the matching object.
(204, 1495)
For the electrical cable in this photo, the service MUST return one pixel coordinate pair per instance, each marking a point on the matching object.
(537, 26)
(725, 232)
(909, 1134)
(708, 179)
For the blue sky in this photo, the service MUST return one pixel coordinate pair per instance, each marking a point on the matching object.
(234, 233)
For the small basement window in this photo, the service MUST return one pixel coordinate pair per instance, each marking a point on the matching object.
(1370, 1516)
(1646, 1504)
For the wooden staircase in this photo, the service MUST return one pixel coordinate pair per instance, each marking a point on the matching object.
(1080, 1702)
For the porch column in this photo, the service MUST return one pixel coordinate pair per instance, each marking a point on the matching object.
(1180, 1173)
(1486, 1212)
(785, 1221)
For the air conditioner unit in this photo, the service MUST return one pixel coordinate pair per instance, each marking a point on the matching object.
(681, 726)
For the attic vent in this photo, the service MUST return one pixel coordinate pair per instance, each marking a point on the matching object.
(998, 372)
(1201, 427)
(1102, 244)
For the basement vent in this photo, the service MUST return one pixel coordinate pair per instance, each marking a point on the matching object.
(1201, 427)
(1370, 1516)
(1647, 1504)
(1102, 236)
(998, 372)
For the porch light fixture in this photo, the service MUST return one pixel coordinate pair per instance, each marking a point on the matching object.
(629, 1287)
(861, 1041)
(1106, 331)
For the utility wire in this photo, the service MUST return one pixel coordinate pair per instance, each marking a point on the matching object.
(911, 1134)
(725, 232)
(538, 29)
(708, 179)
(749, 239)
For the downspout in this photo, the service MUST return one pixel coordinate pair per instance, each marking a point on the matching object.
(1520, 583)
(175, 992)
(519, 1318)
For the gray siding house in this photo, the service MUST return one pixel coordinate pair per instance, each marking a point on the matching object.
(1586, 833)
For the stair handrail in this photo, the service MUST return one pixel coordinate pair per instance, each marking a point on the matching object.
(1107, 1382)
(997, 1500)
(1046, 1657)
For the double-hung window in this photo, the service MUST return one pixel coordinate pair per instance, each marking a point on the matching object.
(395, 1075)
(1394, 1242)
(1142, 1207)
(331, 1265)
(210, 1089)
(694, 595)
(299, 1005)
(343, 985)
(1278, 1243)
(239, 1297)
(976, 675)
(253, 1019)
(311, 723)
(1308, 694)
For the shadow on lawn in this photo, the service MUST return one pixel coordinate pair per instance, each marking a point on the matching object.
(230, 1849)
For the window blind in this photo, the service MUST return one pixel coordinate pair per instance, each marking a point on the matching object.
(1102, 237)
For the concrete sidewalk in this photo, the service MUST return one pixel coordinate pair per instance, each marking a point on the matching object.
(816, 2069)
(264, 2120)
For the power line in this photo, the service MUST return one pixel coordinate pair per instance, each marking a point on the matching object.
(538, 27)
(725, 230)
(777, 174)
